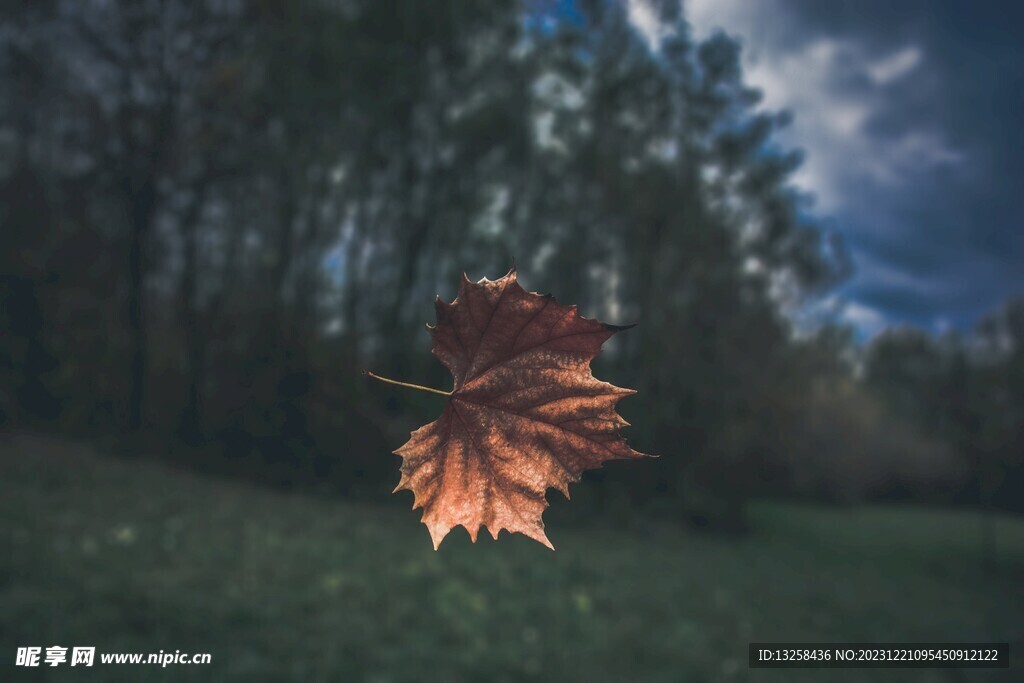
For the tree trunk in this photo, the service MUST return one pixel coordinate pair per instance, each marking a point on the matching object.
(143, 204)
(191, 425)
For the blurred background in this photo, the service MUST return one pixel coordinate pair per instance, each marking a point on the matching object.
(214, 215)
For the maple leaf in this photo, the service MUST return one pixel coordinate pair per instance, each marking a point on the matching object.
(525, 414)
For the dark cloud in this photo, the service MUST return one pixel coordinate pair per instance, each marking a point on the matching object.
(909, 113)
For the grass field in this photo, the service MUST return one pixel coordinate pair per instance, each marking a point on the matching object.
(131, 556)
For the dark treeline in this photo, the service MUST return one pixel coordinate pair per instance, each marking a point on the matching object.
(216, 214)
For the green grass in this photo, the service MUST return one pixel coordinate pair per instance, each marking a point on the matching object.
(133, 556)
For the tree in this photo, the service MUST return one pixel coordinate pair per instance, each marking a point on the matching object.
(274, 191)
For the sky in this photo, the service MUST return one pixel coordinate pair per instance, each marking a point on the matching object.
(908, 116)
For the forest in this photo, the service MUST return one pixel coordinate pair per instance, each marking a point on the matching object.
(215, 215)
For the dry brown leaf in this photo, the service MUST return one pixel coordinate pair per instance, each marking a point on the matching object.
(525, 414)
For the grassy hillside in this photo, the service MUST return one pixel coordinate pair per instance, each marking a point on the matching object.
(133, 556)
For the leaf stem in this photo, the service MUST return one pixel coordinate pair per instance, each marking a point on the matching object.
(406, 384)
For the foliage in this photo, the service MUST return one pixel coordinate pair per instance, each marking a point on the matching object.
(968, 391)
